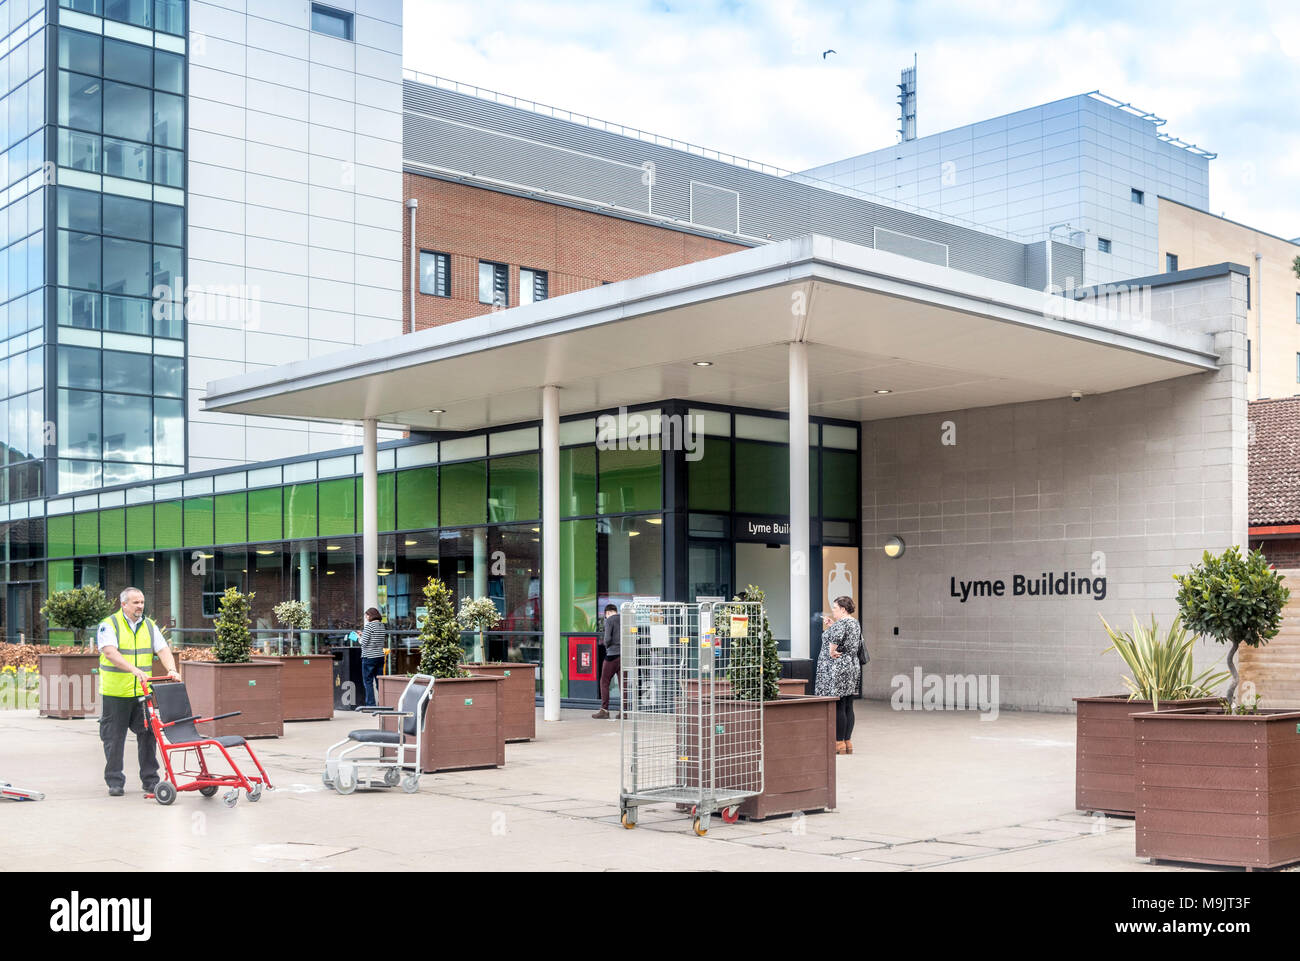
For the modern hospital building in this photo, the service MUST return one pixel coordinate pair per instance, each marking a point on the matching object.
(281, 317)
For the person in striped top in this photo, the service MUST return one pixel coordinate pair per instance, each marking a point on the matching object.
(372, 653)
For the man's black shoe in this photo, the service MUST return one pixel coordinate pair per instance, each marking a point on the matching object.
(115, 792)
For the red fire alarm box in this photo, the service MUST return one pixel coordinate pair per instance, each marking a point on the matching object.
(582, 659)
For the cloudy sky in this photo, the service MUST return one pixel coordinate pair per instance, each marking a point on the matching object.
(748, 77)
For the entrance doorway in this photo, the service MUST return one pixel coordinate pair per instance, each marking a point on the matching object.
(768, 566)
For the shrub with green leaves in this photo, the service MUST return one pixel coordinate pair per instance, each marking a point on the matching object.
(479, 614)
(758, 645)
(234, 644)
(1161, 666)
(440, 651)
(1235, 600)
(78, 609)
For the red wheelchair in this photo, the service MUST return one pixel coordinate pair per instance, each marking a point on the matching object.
(170, 717)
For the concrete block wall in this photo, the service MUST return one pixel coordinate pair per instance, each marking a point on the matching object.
(1141, 481)
(295, 153)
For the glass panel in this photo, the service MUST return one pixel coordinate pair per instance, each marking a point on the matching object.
(265, 515)
(126, 111)
(230, 518)
(514, 494)
(709, 478)
(167, 525)
(79, 101)
(80, 151)
(168, 167)
(85, 528)
(127, 373)
(168, 120)
(168, 267)
(78, 51)
(840, 484)
(577, 481)
(59, 535)
(300, 511)
(417, 498)
(515, 585)
(168, 432)
(577, 575)
(138, 12)
(127, 217)
(168, 224)
(168, 376)
(79, 367)
(112, 531)
(127, 473)
(79, 424)
(139, 528)
(128, 428)
(387, 502)
(762, 478)
(630, 556)
(338, 507)
(629, 481)
(128, 268)
(709, 569)
(168, 71)
(331, 22)
(464, 493)
(130, 62)
(78, 260)
(78, 209)
(169, 16)
(127, 315)
(125, 159)
(198, 521)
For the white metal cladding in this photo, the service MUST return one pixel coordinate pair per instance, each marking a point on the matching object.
(914, 247)
(771, 207)
(715, 207)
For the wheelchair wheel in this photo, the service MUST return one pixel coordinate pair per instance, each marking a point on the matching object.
(391, 776)
(411, 783)
(208, 791)
(346, 782)
(325, 779)
(164, 793)
(255, 795)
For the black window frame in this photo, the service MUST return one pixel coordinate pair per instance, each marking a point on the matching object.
(441, 274)
(541, 284)
(1171, 263)
(1137, 196)
(333, 13)
(1103, 245)
(500, 283)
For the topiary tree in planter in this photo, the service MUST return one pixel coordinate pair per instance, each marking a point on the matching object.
(743, 651)
(440, 651)
(295, 615)
(1235, 600)
(78, 609)
(479, 614)
(234, 644)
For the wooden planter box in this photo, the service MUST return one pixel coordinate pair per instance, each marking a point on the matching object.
(520, 694)
(464, 721)
(1103, 753)
(253, 688)
(1219, 788)
(798, 757)
(69, 685)
(306, 685)
(797, 686)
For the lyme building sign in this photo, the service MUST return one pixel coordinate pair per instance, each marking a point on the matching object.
(1044, 584)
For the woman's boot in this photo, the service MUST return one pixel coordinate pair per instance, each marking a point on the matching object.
(839, 748)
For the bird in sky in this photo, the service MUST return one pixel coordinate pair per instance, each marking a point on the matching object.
(825, 52)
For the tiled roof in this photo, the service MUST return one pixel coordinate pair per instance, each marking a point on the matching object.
(1273, 451)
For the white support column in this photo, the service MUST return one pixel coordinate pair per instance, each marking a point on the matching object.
(370, 512)
(800, 612)
(552, 653)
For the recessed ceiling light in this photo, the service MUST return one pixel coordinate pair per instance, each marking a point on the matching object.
(333, 547)
(265, 553)
(437, 410)
(411, 543)
(385, 571)
(704, 363)
(654, 520)
(633, 533)
(884, 391)
(329, 572)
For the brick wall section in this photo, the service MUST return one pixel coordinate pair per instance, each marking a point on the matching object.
(576, 248)
(1282, 553)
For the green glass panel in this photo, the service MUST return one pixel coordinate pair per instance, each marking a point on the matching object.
(417, 498)
(630, 480)
(464, 493)
(230, 521)
(338, 507)
(139, 528)
(300, 511)
(577, 481)
(198, 521)
(58, 531)
(265, 515)
(60, 575)
(578, 576)
(167, 526)
(709, 478)
(840, 483)
(514, 494)
(86, 532)
(814, 488)
(762, 478)
(112, 531)
(387, 503)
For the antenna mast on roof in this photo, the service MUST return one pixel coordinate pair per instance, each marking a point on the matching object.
(907, 103)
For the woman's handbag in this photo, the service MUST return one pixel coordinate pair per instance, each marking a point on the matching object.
(863, 656)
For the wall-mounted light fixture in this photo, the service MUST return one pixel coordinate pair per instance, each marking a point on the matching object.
(894, 547)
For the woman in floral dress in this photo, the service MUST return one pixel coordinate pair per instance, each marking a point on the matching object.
(838, 670)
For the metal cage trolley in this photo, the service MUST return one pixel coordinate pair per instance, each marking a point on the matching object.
(345, 773)
(692, 722)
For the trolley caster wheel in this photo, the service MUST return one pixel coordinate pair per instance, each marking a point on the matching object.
(164, 792)
(391, 776)
(411, 783)
(731, 815)
(255, 795)
(230, 798)
(628, 820)
(325, 779)
(699, 828)
(208, 791)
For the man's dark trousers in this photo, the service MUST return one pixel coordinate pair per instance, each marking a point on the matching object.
(119, 715)
(607, 674)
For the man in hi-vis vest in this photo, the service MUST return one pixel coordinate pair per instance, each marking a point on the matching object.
(127, 643)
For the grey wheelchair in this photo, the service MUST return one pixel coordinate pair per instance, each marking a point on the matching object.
(345, 771)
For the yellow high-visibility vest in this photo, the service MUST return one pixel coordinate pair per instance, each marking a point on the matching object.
(136, 648)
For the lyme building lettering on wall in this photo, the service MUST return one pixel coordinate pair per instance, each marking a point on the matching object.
(1044, 584)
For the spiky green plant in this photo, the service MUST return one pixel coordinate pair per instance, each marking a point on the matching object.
(234, 642)
(1161, 666)
(440, 651)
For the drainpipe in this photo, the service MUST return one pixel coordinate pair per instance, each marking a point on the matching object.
(411, 205)
(1259, 324)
